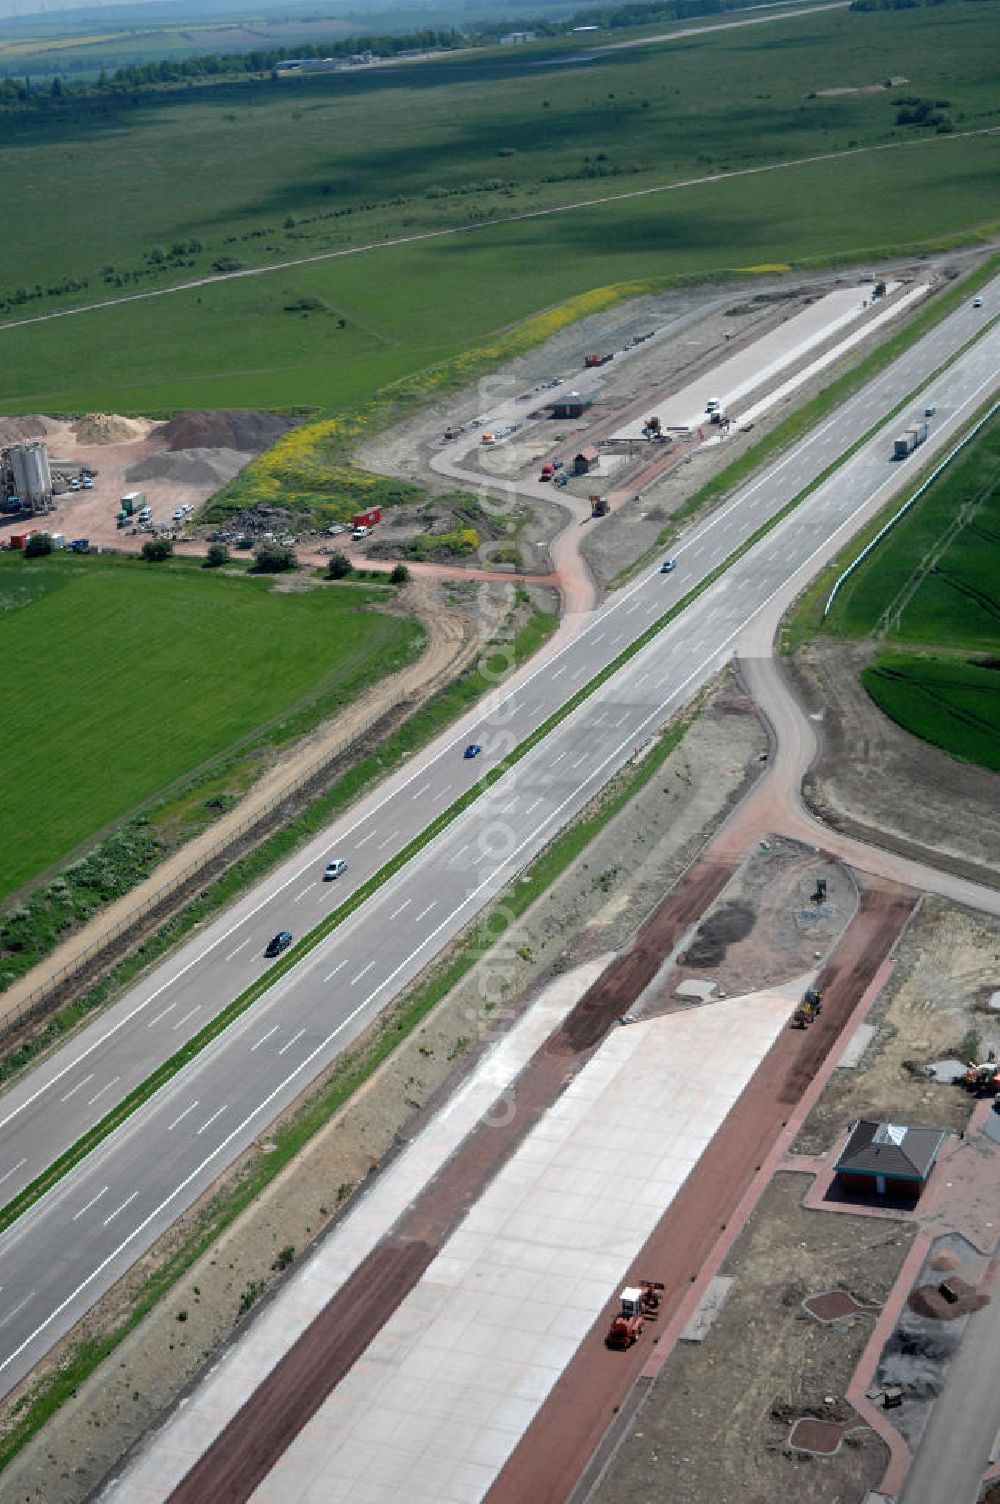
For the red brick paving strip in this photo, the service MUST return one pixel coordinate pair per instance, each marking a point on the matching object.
(247, 1449)
(570, 1426)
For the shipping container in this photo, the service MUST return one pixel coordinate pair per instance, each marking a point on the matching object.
(368, 518)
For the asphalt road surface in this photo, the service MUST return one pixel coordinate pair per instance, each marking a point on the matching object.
(91, 1227)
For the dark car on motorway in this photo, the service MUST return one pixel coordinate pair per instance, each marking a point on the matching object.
(473, 750)
(668, 566)
(281, 941)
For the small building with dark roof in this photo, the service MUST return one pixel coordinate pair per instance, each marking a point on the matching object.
(573, 406)
(889, 1159)
(586, 461)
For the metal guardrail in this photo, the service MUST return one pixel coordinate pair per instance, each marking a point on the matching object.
(938, 469)
(33, 1000)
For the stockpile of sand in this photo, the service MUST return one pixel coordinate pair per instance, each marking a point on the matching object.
(107, 428)
(30, 426)
(232, 428)
(190, 467)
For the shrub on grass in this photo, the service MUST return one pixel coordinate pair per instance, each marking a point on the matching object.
(155, 550)
(273, 558)
(37, 546)
(399, 575)
(218, 554)
(339, 567)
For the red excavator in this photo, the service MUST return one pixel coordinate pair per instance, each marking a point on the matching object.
(639, 1303)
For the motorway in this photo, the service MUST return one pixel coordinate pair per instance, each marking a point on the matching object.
(91, 1227)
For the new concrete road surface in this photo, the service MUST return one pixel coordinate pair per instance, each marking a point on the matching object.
(60, 1256)
(485, 1333)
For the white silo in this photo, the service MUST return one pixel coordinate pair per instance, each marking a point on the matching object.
(32, 477)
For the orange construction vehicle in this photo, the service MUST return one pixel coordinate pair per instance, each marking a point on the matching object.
(809, 1009)
(639, 1303)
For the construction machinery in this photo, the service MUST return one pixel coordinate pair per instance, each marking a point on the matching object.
(639, 1303)
(808, 1010)
(983, 1080)
(599, 506)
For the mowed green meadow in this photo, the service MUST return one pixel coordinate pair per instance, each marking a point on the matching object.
(121, 678)
(934, 584)
(338, 163)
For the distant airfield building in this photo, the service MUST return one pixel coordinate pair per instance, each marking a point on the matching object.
(25, 474)
(517, 38)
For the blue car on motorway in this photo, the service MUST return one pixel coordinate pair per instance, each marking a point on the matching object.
(473, 750)
(668, 566)
(281, 941)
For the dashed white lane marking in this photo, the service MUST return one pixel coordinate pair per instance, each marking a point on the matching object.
(173, 1125)
(168, 1009)
(12, 1171)
(558, 759)
(209, 1121)
(242, 946)
(19, 1307)
(121, 1208)
(74, 1089)
(363, 972)
(263, 1039)
(292, 1041)
(532, 806)
(103, 1089)
(632, 609)
(580, 671)
(92, 1202)
(560, 671)
(404, 905)
(424, 912)
(307, 889)
(189, 1014)
(339, 967)
(578, 762)
(366, 838)
(390, 837)
(621, 720)
(420, 792)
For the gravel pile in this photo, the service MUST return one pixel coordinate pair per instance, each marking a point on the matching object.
(191, 467)
(107, 428)
(232, 428)
(30, 426)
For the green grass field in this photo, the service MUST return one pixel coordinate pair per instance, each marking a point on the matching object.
(334, 163)
(127, 677)
(934, 583)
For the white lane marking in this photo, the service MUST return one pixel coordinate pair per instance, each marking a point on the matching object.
(642, 678)
(92, 1202)
(339, 967)
(74, 1089)
(532, 806)
(460, 852)
(390, 837)
(168, 1009)
(366, 838)
(12, 1171)
(189, 1014)
(263, 1039)
(632, 609)
(558, 759)
(578, 762)
(19, 1307)
(404, 905)
(620, 721)
(581, 670)
(560, 671)
(363, 972)
(291, 1041)
(420, 792)
(242, 946)
(424, 912)
(599, 637)
(209, 1121)
(103, 1089)
(121, 1208)
(173, 1125)
(324, 1044)
(439, 794)
(305, 890)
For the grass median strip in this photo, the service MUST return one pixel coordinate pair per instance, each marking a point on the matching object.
(170, 1068)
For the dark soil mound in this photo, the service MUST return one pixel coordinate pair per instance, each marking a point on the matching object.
(230, 428)
(732, 922)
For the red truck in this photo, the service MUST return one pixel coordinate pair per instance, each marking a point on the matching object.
(596, 360)
(548, 470)
(367, 518)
